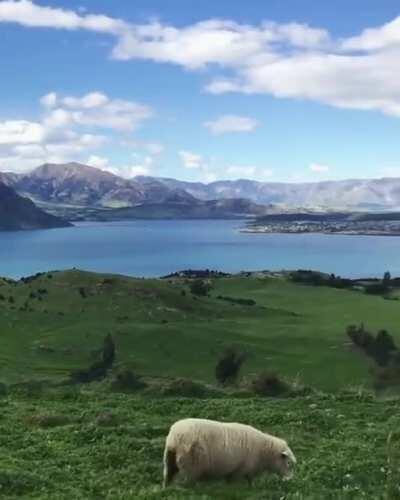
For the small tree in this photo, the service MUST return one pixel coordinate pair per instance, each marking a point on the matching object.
(386, 278)
(200, 287)
(228, 366)
(98, 370)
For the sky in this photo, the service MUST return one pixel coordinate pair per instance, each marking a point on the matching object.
(271, 90)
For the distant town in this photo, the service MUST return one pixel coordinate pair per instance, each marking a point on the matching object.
(374, 224)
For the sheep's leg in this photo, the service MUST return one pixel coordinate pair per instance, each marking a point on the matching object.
(170, 466)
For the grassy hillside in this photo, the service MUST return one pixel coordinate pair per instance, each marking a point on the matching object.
(90, 442)
(56, 323)
(93, 445)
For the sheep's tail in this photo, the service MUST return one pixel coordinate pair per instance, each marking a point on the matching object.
(170, 466)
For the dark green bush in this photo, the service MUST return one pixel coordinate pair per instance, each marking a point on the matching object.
(269, 384)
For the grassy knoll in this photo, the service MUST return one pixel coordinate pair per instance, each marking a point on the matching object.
(94, 445)
(56, 323)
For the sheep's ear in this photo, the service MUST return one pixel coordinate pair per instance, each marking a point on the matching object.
(285, 454)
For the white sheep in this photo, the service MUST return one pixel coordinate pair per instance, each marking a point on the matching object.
(203, 449)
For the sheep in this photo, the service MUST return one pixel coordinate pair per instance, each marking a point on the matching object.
(205, 449)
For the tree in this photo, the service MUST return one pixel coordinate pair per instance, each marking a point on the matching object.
(200, 287)
(228, 366)
(98, 370)
(386, 278)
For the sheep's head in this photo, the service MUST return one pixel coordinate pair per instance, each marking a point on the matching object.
(282, 460)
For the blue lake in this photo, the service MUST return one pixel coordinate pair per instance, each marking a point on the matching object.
(155, 248)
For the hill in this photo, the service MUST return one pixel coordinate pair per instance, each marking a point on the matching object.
(51, 324)
(99, 440)
(168, 209)
(17, 212)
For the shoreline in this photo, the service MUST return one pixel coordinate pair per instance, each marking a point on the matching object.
(331, 233)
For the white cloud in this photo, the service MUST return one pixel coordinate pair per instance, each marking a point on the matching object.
(246, 172)
(21, 132)
(29, 14)
(390, 172)
(231, 123)
(191, 160)
(240, 172)
(127, 171)
(95, 109)
(49, 100)
(378, 38)
(318, 168)
(290, 60)
(67, 129)
(97, 161)
(142, 165)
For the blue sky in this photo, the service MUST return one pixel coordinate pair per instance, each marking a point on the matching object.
(293, 90)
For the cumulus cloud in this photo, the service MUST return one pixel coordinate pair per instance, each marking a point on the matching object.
(318, 168)
(97, 161)
(210, 169)
(68, 128)
(141, 166)
(21, 132)
(371, 39)
(285, 60)
(231, 123)
(191, 160)
(30, 14)
(96, 109)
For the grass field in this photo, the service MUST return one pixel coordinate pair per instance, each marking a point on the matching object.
(57, 322)
(93, 445)
(88, 442)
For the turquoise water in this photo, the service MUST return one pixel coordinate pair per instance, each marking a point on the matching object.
(155, 248)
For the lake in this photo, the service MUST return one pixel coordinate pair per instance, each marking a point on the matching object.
(156, 248)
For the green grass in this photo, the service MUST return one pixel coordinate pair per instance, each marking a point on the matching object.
(93, 445)
(296, 330)
(86, 442)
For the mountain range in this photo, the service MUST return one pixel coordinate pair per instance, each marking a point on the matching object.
(77, 185)
(17, 212)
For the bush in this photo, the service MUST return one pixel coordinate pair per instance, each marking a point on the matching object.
(48, 421)
(99, 369)
(242, 302)
(381, 348)
(187, 388)
(127, 381)
(228, 366)
(270, 385)
(377, 288)
(200, 288)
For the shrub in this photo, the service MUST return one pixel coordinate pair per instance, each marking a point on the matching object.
(377, 288)
(242, 302)
(200, 287)
(127, 381)
(381, 348)
(228, 366)
(98, 370)
(186, 388)
(48, 421)
(270, 385)
(107, 419)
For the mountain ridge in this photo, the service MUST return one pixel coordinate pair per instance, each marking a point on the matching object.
(18, 213)
(82, 185)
